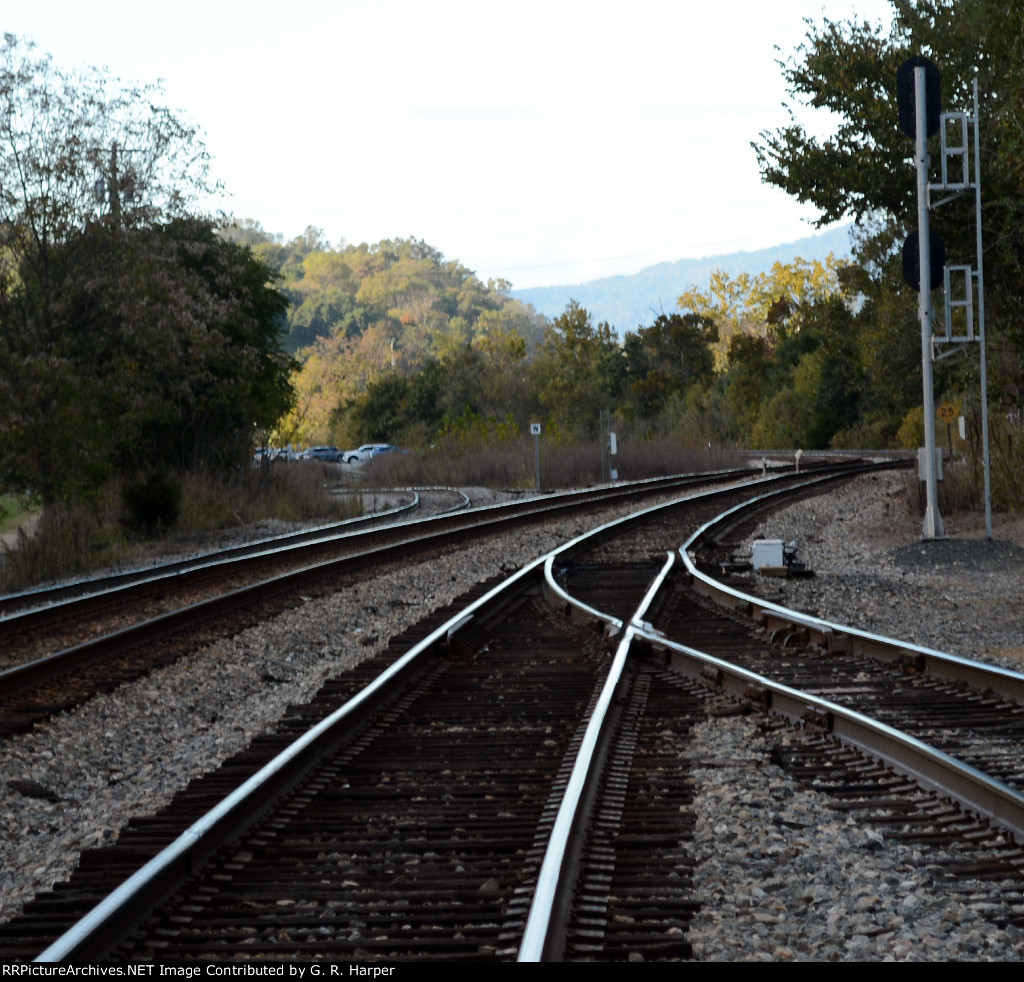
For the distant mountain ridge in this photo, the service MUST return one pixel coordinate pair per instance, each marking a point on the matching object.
(628, 302)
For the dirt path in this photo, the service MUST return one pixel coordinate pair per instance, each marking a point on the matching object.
(9, 539)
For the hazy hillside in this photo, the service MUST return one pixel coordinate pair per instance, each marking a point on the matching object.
(628, 302)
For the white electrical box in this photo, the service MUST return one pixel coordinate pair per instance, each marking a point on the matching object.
(768, 552)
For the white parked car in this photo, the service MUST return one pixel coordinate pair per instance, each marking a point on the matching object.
(366, 451)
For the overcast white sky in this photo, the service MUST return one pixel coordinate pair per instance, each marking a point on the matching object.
(543, 141)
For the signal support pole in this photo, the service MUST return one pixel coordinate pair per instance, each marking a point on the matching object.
(535, 433)
(933, 528)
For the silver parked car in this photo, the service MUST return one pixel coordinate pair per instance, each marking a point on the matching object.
(366, 451)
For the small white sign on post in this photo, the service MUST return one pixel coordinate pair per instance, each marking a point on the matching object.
(535, 433)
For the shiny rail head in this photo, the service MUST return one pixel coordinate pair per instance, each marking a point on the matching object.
(932, 768)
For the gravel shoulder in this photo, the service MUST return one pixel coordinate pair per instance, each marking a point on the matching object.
(961, 595)
(783, 876)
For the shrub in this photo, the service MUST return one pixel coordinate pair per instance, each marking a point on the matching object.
(153, 503)
(910, 435)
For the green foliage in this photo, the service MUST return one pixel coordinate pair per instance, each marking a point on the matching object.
(422, 302)
(159, 347)
(359, 313)
(153, 502)
(747, 304)
(748, 382)
(910, 435)
(667, 358)
(382, 411)
(15, 509)
(579, 369)
(861, 169)
(131, 336)
(473, 431)
(849, 68)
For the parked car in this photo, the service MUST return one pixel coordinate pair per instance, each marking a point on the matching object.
(366, 451)
(323, 453)
(267, 454)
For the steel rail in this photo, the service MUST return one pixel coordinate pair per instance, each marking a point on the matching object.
(49, 597)
(125, 907)
(559, 596)
(92, 936)
(438, 533)
(832, 636)
(441, 531)
(930, 767)
(544, 937)
(454, 520)
(96, 933)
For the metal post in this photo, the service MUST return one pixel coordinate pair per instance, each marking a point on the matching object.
(933, 528)
(983, 368)
(535, 430)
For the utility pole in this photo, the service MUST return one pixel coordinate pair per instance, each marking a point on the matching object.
(918, 83)
(924, 259)
(933, 528)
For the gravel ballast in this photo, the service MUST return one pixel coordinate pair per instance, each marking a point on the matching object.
(783, 876)
(815, 885)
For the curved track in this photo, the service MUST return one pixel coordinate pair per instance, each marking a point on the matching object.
(483, 853)
(122, 631)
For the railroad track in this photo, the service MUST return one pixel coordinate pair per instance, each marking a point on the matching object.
(639, 808)
(124, 630)
(495, 720)
(40, 621)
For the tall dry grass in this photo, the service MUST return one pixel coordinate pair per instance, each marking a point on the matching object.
(963, 486)
(512, 464)
(69, 541)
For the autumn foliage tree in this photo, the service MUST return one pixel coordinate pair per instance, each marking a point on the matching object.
(861, 169)
(132, 337)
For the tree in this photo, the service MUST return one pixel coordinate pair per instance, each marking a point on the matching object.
(750, 304)
(132, 336)
(160, 350)
(239, 379)
(381, 411)
(76, 148)
(862, 169)
(748, 382)
(668, 357)
(359, 312)
(850, 68)
(580, 368)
